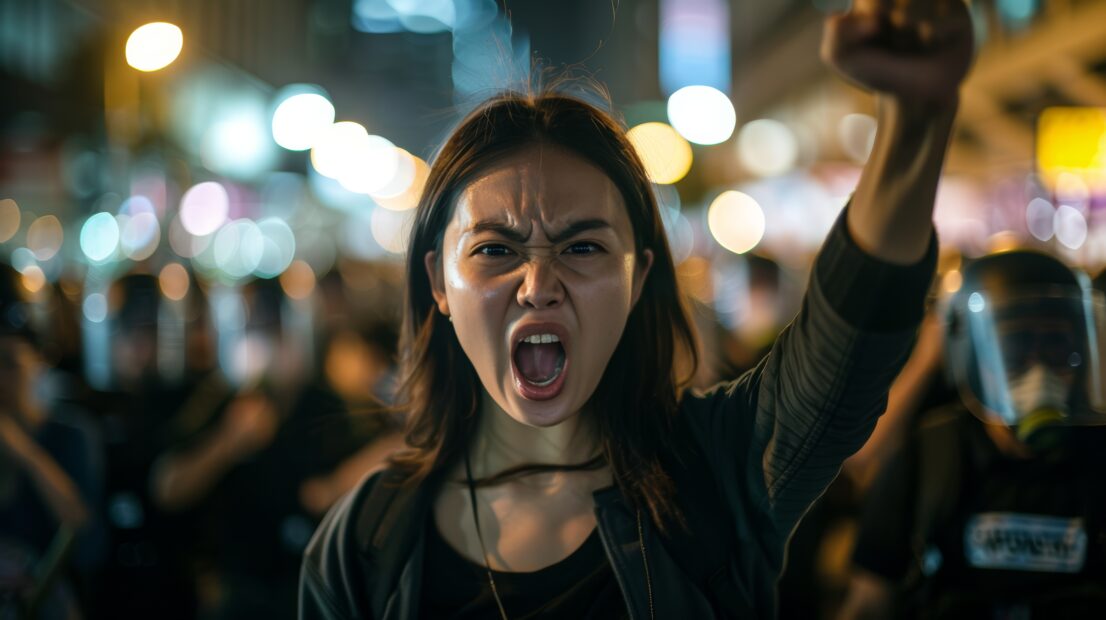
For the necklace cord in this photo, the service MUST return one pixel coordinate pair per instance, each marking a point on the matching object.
(480, 537)
(487, 564)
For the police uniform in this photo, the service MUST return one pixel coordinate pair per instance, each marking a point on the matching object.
(970, 532)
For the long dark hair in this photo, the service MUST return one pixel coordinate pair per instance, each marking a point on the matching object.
(636, 399)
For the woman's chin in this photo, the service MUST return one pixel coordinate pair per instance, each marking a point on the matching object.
(541, 414)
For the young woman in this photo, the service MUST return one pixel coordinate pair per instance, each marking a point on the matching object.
(556, 467)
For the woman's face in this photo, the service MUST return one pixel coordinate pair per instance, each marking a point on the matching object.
(539, 274)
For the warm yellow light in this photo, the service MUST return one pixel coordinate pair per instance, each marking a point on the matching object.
(665, 153)
(736, 221)
(173, 281)
(154, 46)
(9, 219)
(33, 279)
(408, 198)
(952, 281)
(44, 237)
(1072, 141)
(298, 280)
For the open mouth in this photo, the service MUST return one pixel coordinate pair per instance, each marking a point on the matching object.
(539, 360)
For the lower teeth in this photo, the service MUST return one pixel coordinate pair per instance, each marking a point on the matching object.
(548, 381)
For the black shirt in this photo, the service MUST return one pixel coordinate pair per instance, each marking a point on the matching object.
(581, 586)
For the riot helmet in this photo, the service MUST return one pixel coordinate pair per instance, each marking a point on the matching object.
(1023, 345)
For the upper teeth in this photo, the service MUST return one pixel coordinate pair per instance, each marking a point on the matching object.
(541, 339)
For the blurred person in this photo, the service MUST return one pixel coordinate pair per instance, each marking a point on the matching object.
(556, 467)
(51, 535)
(264, 465)
(147, 573)
(816, 580)
(1001, 514)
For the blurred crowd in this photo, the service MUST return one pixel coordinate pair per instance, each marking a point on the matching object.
(179, 494)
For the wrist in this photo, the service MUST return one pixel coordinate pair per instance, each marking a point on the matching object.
(914, 112)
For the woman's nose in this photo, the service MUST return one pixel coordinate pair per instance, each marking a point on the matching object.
(540, 288)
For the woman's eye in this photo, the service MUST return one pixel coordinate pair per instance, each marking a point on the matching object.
(494, 250)
(583, 247)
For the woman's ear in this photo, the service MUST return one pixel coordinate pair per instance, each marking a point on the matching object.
(642, 266)
(437, 281)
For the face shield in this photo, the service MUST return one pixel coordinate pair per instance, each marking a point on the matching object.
(1031, 360)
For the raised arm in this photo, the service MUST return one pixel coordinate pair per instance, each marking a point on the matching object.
(777, 437)
(913, 55)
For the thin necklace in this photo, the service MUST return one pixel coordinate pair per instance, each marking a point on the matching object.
(488, 566)
(480, 537)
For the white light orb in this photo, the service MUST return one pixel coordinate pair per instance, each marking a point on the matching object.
(99, 237)
(373, 165)
(95, 307)
(391, 229)
(139, 236)
(767, 148)
(736, 221)
(238, 248)
(337, 145)
(204, 208)
(702, 114)
(1040, 218)
(154, 46)
(301, 118)
(857, 135)
(1071, 227)
(278, 249)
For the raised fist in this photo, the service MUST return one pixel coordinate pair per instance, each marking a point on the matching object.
(917, 50)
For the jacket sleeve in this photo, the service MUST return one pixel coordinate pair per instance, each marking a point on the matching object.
(776, 437)
(331, 586)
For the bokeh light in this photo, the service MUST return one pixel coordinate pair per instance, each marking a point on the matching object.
(1072, 140)
(857, 135)
(301, 117)
(736, 221)
(336, 147)
(702, 114)
(1040, 216)
(1071, 227)
(238, 248)
(391, 229)
(204, 208)
(154, 46)
(408, 197)
(278, 249)
(100, 237)
(372, 166)
(44, 237)
(298, 280)
(767, 147)
(95, 307)
(952, 281)
(139, 235)
(9, 219)
(664, 152)
(173, 281)
(33, 278)
(237, 143)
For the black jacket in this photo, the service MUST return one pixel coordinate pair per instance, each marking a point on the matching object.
(748, 458)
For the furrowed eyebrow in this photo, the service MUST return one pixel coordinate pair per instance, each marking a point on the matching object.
(568, 232)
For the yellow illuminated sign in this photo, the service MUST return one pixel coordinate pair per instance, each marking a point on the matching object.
(1072, 141)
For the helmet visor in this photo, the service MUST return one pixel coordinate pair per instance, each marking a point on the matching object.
(1034, 359)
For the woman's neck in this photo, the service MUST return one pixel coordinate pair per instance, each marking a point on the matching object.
(502, 442)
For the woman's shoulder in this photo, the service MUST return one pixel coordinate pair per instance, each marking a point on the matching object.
(361, 543)
(359, 515)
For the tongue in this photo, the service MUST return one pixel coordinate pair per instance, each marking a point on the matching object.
(539, 363)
